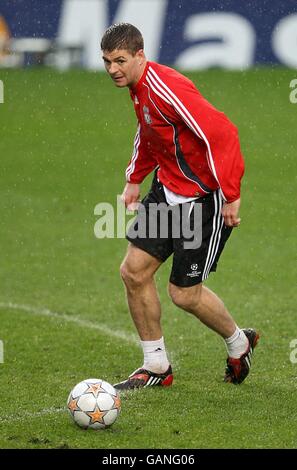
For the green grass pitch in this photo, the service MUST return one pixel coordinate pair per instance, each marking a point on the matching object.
(65, 140)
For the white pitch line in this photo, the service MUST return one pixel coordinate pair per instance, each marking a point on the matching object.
(71, 319)
(28, 414)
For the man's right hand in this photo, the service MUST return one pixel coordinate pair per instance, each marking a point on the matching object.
(130, 196)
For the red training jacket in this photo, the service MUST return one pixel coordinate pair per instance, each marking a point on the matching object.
(195, 146)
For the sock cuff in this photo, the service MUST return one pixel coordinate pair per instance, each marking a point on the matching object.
(233, 337)
(153, 345)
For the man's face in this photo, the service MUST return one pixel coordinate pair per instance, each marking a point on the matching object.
(124, 68)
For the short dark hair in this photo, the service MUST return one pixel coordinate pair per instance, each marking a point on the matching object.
(122, 36)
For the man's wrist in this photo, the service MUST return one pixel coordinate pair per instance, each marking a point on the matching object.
(229, 201)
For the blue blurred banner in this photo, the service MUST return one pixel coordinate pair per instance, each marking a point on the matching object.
(190, 34)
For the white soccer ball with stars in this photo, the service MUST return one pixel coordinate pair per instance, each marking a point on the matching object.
(94, 403)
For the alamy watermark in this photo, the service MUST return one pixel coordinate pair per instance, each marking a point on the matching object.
(293, 94)
(293, 354)
(157, 220)
(1, 352)
(1, 92)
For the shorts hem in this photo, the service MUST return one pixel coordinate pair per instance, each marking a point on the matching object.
(191, 282)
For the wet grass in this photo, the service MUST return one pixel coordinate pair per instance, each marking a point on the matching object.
(65, 141)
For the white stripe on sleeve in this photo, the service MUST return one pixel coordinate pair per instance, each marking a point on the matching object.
(131, 166)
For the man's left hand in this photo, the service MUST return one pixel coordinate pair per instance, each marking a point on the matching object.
(230, 212)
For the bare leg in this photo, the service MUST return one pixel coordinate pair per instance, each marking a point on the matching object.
(205, 305)
(137, 271)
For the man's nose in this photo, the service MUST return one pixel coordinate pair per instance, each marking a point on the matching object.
(113, 68)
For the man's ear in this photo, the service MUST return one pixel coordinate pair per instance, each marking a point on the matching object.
(140, 56)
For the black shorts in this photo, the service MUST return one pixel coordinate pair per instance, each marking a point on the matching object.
(194, 232)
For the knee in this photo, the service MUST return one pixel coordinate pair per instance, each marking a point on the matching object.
(186, 298)
(131, 276)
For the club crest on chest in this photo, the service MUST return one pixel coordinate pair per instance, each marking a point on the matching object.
(147, 116)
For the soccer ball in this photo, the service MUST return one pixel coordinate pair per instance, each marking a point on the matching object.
(94, 403)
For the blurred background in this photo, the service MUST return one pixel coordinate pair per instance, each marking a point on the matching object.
(189, 34)
(66, 135)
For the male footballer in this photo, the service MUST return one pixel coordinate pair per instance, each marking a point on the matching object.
(194, 151)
